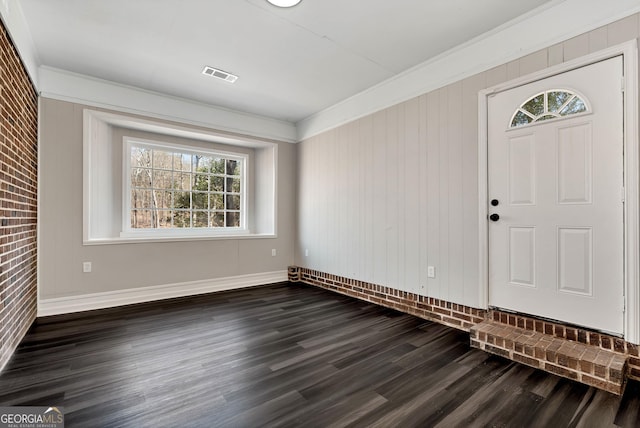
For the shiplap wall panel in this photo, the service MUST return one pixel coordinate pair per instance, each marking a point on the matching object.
(598, 39)
(411, 206)
(433, 189)
(555, 55)
(455, 265)
(470, 89)
(576, 47)
(423, 191)
(513, 70)
(623, 30)
(380, 212)
(534, 62)
(388, 195)
(392, 198)
(442, 269)
(496, 75)
(369, 207)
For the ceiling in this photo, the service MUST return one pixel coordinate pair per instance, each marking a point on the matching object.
(291, 63)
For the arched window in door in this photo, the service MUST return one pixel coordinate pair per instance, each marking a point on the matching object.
(552, 104)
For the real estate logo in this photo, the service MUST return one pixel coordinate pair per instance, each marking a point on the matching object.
(31, 417)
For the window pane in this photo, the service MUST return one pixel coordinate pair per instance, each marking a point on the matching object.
(217, 201)
(233, 219)
(218, 166)
(201, 182)
(217, 184)
(141, 177)
(233, 185)
(200, 200)
(232, 167)
(140, 199)
(233, 202)
(201, 219)
(162, 179)
(204, 164)
(576, 105)
(141, 219)
(164, 219)
(555, 100)
(182, 200)
(182, 162)
(535, 105)
(162, 159)
(182, 181)
(161, 199)
(217, 219)
(181, 219)
(140, 157)
(521, 119)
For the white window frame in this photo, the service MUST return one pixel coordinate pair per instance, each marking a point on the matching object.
(129, 232)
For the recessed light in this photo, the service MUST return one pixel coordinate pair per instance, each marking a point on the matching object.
(219, 74)
(284, 3)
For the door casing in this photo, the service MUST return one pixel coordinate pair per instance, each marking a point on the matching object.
(629, 52)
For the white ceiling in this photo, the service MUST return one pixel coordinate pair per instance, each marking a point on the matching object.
(291, 63)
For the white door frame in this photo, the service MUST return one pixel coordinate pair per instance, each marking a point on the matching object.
(629, 51)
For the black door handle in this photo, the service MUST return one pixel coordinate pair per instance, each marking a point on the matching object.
(494, 217)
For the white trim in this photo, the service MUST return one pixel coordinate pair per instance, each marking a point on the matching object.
(109, 299)
(632, 197)
(483, 199)
(16, 24)
(629, 51)
(506, 43)
(67, 86)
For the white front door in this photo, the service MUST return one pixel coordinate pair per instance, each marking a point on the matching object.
(555, 174)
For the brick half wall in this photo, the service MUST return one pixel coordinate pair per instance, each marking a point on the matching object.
(464, 317)
(18, 199)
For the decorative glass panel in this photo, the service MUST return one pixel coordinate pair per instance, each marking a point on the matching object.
(535, 105)
(548, 105)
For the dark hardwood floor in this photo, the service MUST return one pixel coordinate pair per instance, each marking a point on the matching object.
(286, 355)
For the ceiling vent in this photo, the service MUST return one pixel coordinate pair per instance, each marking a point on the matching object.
(214, 72)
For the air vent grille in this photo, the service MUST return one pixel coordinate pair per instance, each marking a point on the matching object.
(219, 74)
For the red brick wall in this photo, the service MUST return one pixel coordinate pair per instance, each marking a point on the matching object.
(447, 313)
(18, 198)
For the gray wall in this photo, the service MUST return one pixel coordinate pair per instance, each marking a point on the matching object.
(385, 196)
(133, 265)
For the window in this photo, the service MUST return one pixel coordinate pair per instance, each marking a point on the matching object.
(173, 189)
(553, 104)
(223, 163)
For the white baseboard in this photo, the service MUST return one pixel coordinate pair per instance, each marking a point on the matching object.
(108, 299)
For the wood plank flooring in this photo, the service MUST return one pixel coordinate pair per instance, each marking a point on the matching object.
(286, 355)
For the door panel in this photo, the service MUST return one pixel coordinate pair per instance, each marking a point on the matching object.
(522, 170)
(556, 250)
(574, 164)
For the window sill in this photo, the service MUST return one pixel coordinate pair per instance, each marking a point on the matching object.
(181, 238)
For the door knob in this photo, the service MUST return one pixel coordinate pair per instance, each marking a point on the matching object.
(494, 217)
(494, 202)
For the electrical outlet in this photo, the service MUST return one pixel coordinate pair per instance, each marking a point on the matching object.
(431, 271)
(274, 252)
(86, 267)
(306, 252)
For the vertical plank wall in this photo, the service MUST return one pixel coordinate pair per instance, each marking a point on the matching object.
(385, 196)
